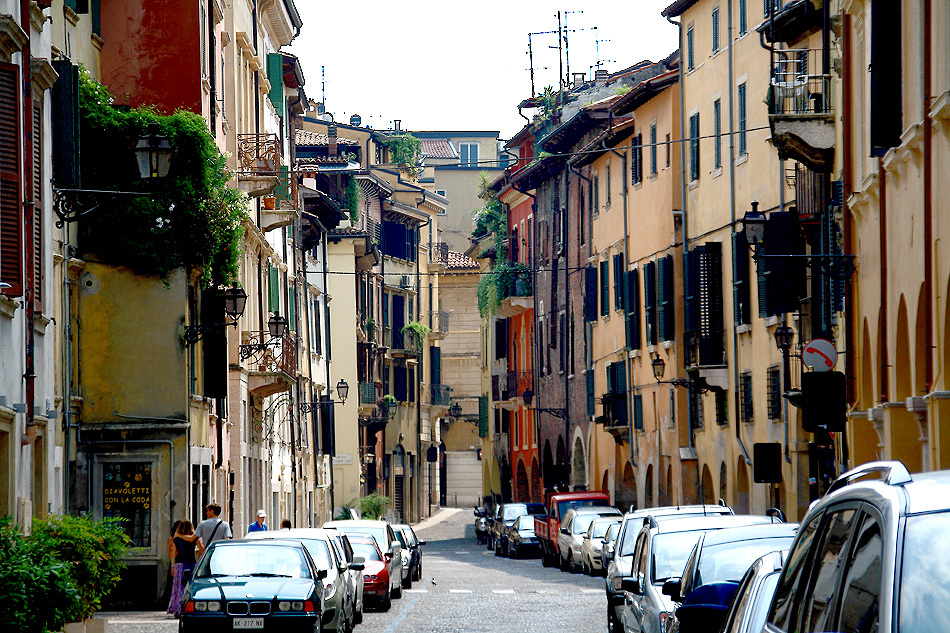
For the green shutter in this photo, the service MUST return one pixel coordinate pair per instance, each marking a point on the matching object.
(275, 75)
(273, 288)
(638, 412)
(482, 416)
(661, 300)
(291, 309)
(589, 378)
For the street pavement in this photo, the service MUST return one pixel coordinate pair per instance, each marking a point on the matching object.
(465, 589)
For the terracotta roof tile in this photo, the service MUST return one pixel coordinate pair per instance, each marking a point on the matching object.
(303, 137)
(437, 148)
(459, 261)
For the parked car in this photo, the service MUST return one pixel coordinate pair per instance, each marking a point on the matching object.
(339, 602)
(412, 542)
(610, 541)
(388, 544)
(871, 555)
(630, 536)
(507, 513)
(521, 539)
(377, 586)
(717, 563)
(593, 544)
(269, 585)
(481, 524)
(406, 556)
(573, 528)
(751, 604)
(354, 572)
(547, 527)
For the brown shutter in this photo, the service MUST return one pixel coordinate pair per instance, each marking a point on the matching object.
(10, 226)
(37, 205)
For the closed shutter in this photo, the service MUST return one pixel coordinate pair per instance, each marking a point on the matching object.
(620, 393)
(435, 358)
(741, 311)
(273, 288)
(604, 288)
(666, 299)
(292, 308)
(886, 77)
(590, 293)
(65, 124)
(694, 147)
(638, 412)
(11, 253)
(275, 75)
(483, 416)
(37, 205)
(589, 380)
(711, 323)
(690, 282)
(618, 282)
(214, 346)
(649, 300)
(715, 29)
(634, 177)
(743, 121)
(632, 285)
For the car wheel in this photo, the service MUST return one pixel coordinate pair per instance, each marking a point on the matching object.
(407, 581)
(571, 565)
(386, 603)
(613, 625)
(512, 551)
(419, 571)
(397, 591)
(497, 548)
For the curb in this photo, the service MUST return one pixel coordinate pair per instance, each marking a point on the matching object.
(438, 517)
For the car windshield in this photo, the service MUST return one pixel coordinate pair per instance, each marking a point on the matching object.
(525, 523)
(401, 537)
(925, 575)
(670, 553)
(729, 561)
(630, 534)
(367, 551)
(599, 528)
(318, 551)
(377, 533)
(510, 513)
(564, 506)
(254, 560)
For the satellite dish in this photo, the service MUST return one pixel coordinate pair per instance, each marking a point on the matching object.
(355, 120)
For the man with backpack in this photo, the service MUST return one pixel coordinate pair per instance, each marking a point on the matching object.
(212, 528)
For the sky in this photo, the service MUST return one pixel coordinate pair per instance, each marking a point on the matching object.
(462, 65)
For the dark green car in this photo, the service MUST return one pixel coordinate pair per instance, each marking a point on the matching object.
(254, 586)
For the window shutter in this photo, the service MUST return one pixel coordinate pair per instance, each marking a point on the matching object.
(604, 288)
(743, 121)
(661, 299)
(711, 324)
(411, 383)
(717, 131)
(715, 29)
(38, 175)
(694, 146)
(65, 124)
(273, 288)
(653, 150)
(292, 308)
(11, 253)
(483, 416)
(620, 393)
(589, 380)
(638, 412)
(400, 384)
(690, 283)
(590, 293)
(639, 157)
(886, 89)
(689, 49)
(275, 74)
(784, 237)
(740, 280)
(649, 298)
(618, 282)
(435, 371)
(632, 284)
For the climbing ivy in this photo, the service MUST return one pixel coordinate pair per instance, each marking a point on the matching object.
(351, 201)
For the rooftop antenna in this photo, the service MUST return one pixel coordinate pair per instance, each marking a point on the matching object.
(567, 56)
(323, 84)
(531, 56)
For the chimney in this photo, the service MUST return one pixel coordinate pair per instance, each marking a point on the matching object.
(397, 125)
(578, 79)
(331, 134)
(600, 76)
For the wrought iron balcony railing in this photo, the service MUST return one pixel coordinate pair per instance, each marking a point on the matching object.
(518, 382)
(287, 192)
(440, 253)
(798, 86)
(258, 154)
(369, 393)
(270, 354)
(441, 395)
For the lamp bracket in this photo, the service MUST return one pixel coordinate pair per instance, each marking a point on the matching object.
(72, 204)
(837, 266)
(556, 412)
(193, 333)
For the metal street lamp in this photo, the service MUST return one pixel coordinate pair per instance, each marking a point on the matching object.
(659, 367)
(234, 301)
(277, 325)
(783, 341)
(753, 225)
(342, 390)
(153, 153)
(455, 411)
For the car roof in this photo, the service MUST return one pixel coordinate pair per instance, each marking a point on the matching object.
(313, 533)
(922, 492)
(749, 533)
(367, 523)
(611, 519)
(666, 511)
(596, 510)
(275, 542)
(717, 522)
(567, 496)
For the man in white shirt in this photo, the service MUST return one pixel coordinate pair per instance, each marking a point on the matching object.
(212, 528)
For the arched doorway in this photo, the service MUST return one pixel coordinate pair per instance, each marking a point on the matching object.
(522, 492)
(537, 495)
(723, 487)
(708, 491)
(626, 494)
(578, 467)
(743, 502)
(548, 466)
(648, 488)
(399, 482)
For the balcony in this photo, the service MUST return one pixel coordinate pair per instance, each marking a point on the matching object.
(499, 388)
(441, 395)
(518, 383)
(801, 112)
(440, 325)
(614, 419)
(516, 297)
(284, 207)
(402, 344)
(258, 163)
(272, 364)
(439, 256)
(369, 393)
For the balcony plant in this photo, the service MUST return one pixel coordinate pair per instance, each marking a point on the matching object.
(506, 279)
(351, 201)
(191, 219)
(403, 151)
(388, 404)
(369, 327)
(416, 332)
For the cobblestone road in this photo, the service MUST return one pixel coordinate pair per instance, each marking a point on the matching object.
(465, 589)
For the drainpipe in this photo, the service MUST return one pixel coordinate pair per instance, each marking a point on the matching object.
(415, 482)
(626, 260)
(29, 292)
(326, 337)
(882, 243)
(847, 175)
(926, 29)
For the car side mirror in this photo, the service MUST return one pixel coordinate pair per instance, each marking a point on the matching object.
(359, 559)
(388, 556)
(564, 531)
(321, 574)
(422, 542)
(357, 566)
(671, 588)
(631, 584)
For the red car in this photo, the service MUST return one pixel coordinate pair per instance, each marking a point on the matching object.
(375, 571)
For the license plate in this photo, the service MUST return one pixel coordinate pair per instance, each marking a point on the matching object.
(248, 623)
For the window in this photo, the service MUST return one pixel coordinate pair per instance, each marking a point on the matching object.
(696, 408)
(616, 404)
(689, 48)
(743, 21)
(441, 192)
(743, 148)
(618, 281)
(649, 301)
(774, 387)
(722, 414)
(468, 154)
(668, 150)
(10, 220)
(635, 155)
(694, 147)
(741, 284)
(770, 6)
(604, 288)
(715, 29)
(666, 323)
(595, 196)
(796, 567)
(638, 412)
(607, 198)
(702, 303)
(745, 397)
(632, 301)
(829, 559)
(590, 293)
(653, 149)
(862, 581)
(717, 133)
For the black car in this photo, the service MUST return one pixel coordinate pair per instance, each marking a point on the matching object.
(520, 538)
(505, 518)
(481, 524)
(414, 546)
(254, 585)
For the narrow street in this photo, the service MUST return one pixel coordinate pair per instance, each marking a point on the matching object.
(465, 589)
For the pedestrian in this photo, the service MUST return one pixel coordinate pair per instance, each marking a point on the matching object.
(285, 524)
(171, 568)
(212, 528)
(184, 548)
(259, 525)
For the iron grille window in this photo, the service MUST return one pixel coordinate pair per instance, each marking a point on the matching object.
(715, 29)
(694, 147)
(774, 381)
(696, 409)
(743, 120)
(745, 397)
(717, 132)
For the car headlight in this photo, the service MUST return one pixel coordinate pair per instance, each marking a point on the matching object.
(329, 590)
(283, 605)
(298, 605)
(207, 605)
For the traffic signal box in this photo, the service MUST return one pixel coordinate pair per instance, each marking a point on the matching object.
(824, 402)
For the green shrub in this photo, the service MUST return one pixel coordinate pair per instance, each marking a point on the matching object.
(373, 506)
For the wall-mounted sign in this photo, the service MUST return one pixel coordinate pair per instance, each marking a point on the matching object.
(343, 459)
(127, 494)
(820, 354)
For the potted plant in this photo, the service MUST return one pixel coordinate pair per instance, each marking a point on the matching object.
(416, 332)
(269, 202)
(370, 328)
(388, 404)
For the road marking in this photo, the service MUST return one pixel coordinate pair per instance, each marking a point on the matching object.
(503, 591)
(402, 614)
(416, 590)
(592, 590)
(460, 591)
(463, 552)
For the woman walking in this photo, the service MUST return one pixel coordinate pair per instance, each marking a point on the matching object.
(184, 548)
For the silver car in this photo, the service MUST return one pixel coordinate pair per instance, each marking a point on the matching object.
(388, 544)
(751, 604)
(594, 542)
(354, 572)
(573, 528)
